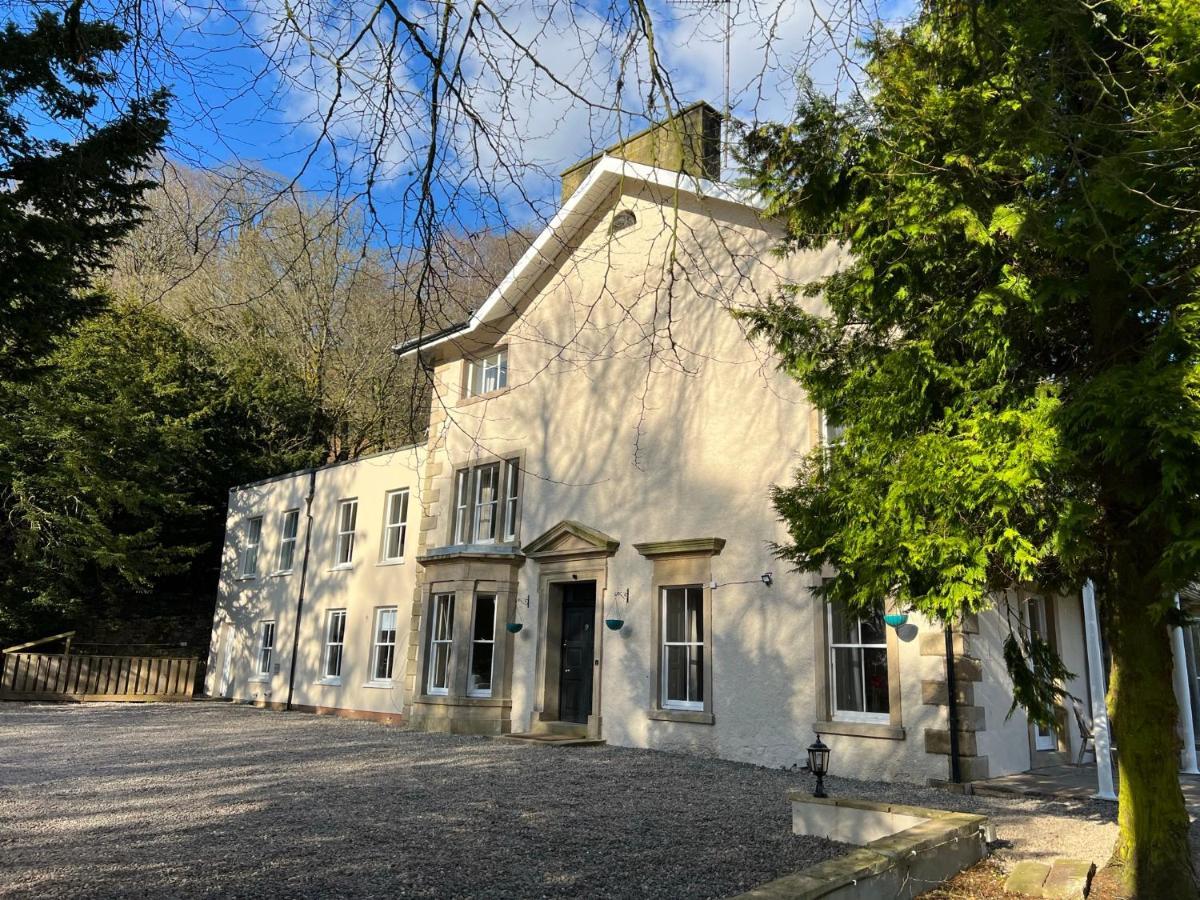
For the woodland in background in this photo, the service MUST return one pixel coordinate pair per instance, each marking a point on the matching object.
(166, 334)
(240, 336)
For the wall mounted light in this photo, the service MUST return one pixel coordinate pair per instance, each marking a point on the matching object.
(768, 578)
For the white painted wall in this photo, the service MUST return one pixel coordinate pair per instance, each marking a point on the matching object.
(682, 444)
(368, 584)
(685, 445)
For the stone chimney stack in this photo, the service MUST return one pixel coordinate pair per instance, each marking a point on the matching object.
(689, 142)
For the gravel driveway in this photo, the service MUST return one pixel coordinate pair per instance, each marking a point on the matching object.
(215, 799)
(207, 799)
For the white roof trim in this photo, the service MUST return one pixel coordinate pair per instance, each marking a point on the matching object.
(600, 181)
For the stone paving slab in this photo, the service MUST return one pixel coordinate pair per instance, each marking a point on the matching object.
(1027, 878)
(1068, 879)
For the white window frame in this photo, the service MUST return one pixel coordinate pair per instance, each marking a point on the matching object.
(477, 478)
(849, 715)
(476, 641)
(442, 643)
(504, 505)
(831, 435)
(333, 616)
(493, 366)
(379, 646)
(248, 567)
(512, 498)
(287, 543)
(391, 526)
(266, 649)
(462, 506)
(343, 551)
(665, 701)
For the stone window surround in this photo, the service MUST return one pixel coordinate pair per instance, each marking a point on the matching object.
(825, 723)
(483, 459)
(465, 398)
(465, 591)
(681, 563)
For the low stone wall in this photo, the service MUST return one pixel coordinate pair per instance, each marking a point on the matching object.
(905, 850)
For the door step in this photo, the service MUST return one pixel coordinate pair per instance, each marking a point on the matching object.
(555, 734)
(551, 740)
(563, 729)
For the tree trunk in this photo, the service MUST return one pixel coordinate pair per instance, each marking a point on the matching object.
(1153, 842)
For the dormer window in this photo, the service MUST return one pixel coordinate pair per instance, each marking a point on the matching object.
(487, 374)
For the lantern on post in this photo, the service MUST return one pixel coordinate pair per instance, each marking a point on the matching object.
(818, 764)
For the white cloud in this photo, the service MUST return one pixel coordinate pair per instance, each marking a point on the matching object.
(536, 84)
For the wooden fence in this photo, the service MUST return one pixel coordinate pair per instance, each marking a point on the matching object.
(72, 676)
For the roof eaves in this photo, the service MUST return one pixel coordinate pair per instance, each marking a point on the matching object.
(425, 340)
(605, 175)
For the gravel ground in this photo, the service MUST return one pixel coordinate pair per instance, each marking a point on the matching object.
(207, 799)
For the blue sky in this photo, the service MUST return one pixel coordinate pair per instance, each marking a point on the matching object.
(254, 87)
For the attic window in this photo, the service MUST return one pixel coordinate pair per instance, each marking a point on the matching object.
(622, 220)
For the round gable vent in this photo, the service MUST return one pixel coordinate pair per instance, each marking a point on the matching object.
(622, 220)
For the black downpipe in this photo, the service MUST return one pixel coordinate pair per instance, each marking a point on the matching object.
(952, 707)
(308, 520)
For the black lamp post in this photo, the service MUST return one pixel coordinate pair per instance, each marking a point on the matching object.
(818, 764)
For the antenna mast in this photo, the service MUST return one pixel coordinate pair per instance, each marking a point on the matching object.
(726, 111)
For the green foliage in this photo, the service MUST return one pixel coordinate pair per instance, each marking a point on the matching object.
(68, 198)
(117, 457)
(1013, 342)
(1014, 338)
(1037, 676)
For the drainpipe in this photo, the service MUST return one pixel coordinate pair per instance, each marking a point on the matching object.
(308, 520)
(952, 707)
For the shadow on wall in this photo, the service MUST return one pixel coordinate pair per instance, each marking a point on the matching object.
(651, 417)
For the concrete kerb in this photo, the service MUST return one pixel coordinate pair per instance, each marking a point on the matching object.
(906, 849)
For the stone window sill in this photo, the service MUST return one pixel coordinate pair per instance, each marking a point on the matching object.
(861, 729)
(442, 700)
(381, 683)
(470, 399)
(690, 716)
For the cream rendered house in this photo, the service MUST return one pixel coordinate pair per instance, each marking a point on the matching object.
(582, 546)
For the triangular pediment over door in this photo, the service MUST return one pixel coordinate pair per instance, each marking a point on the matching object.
(571, 539)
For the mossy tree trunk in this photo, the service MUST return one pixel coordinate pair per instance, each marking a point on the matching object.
(1153, 842)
